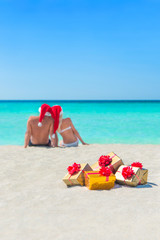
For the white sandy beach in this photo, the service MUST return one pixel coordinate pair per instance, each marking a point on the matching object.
(36, 205)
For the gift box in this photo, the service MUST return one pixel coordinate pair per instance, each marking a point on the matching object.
(131, 176)
(94, 181)
(114, 164)
(78, 177)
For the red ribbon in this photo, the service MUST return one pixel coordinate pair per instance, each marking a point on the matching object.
(104, 171)
(109, 165)
(104, 160)
(75, 168)
(127, 172)
(138, 179)
(137, 164)
(129, 176)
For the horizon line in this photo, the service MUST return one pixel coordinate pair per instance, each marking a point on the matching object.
(80, 100)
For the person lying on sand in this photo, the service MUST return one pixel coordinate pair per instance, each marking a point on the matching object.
(39, 128)
(69, 134)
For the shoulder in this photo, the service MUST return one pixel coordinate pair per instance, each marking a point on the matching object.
(32, 119)
(67, 120)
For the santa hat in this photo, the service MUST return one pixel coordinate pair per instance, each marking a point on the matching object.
(45, 110)
(57, 112)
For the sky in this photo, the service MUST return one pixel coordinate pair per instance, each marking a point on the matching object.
(79, 49)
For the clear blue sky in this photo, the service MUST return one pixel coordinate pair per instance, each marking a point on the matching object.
(79, 49)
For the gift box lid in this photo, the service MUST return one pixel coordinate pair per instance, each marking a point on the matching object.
(98, 177)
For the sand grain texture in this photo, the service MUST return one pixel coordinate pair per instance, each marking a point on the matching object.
(36, 204)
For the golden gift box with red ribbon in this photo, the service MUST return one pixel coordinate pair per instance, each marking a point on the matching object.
(131, 176)
(95, 181)
(76, 177)
(114, 163)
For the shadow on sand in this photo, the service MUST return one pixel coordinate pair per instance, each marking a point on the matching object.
(148, 185)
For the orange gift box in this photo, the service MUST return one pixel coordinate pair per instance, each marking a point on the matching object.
(94, 181)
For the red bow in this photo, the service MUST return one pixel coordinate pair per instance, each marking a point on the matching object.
(74, 168)
(104, 160)
(137, 164)
(127, 172)
(105, 171)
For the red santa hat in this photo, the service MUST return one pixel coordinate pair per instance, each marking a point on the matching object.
(45, 110)
(57, 112)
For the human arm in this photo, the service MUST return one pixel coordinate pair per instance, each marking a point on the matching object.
(54, 138)
(77, 133)
(27, 134)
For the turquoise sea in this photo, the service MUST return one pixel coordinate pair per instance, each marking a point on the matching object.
(129, 122)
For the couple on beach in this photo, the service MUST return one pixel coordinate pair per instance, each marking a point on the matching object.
(51, 121)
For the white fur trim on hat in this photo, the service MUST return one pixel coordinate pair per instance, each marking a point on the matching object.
(39, 124)
(46, 114)
(53, 135)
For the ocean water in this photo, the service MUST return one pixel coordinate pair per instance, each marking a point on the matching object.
(129, 122)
